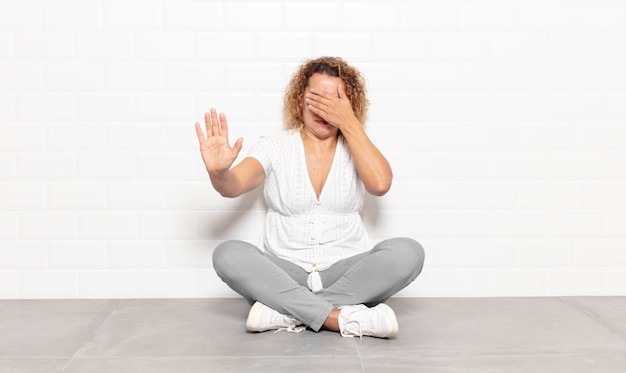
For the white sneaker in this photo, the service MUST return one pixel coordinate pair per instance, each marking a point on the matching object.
(262, 318)
(379, 321)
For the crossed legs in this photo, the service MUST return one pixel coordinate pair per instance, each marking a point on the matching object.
(368, 278)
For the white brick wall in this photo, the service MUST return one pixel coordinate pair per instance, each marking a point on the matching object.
(505, 122)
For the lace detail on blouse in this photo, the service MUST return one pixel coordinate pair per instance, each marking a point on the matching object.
(298, 227)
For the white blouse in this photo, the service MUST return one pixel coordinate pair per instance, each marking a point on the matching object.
(298, 227)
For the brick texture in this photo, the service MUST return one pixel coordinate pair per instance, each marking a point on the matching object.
(504, 122)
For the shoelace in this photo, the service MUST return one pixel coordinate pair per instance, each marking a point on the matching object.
(291, 329)
(357, 322)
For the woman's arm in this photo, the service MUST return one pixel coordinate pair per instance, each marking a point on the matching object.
(218, 157)
(372, 166)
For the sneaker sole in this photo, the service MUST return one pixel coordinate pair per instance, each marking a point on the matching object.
(252, 316)
(392, 316)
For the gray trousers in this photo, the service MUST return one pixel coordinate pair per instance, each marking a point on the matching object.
(368, 278)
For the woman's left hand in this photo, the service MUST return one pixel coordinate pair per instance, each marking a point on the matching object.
(334, 107)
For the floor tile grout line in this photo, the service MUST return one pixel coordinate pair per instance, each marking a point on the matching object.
(182, 357)
(595, 320)
(595, 317)
(358, 353)
(94, 333)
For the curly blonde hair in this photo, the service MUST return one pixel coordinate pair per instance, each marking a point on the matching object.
(332, 66)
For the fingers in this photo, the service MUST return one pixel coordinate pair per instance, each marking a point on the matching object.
(215, 123)
(321, 97)
(211, 123)
(317, 111)
(238, 145)
(207, 124)
(223, 125)
(315, 104)
(341, 90)
(201, 137)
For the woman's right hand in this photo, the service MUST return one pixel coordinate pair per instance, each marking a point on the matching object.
(216, 151)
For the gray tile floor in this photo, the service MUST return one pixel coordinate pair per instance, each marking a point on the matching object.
(578, 334)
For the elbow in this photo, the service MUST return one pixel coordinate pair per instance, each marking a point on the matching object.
(380, 184)
(379, 189)
(227, 191)
(228, 194)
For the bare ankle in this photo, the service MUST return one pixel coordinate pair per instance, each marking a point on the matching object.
(332, 321)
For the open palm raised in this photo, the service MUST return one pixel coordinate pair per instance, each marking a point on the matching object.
(216, 151)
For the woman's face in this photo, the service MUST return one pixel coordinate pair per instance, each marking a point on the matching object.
(313, 123)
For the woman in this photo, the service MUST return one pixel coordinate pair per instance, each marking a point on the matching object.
(316, 266)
